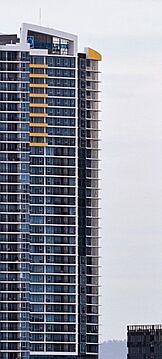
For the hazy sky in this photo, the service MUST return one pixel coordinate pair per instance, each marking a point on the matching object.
(129, 35)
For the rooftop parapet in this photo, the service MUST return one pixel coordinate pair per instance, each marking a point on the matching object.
(54, 41)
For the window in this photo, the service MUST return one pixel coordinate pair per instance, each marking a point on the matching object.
(54, 61)
(70, 122)
(56, 131)
(56, 82)
(60, 112)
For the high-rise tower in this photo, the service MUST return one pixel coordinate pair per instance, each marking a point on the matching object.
(49, 194)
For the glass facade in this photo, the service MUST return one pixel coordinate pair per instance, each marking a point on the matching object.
(49, 193)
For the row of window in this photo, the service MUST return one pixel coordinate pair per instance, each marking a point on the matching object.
(61, 73)
(14, 56)
(51, 181)
(52, 337)
(12, 277)
(38, 347)
(53, 239)
(13, 346)
(52, 161)
(14, 137)
(40, 229)
(14, 127)
(14, 228)
(54, 121)
(58, 318)
(13, 66)
(14, 76)
(9, 86)
(50, 220)
(53, 298)
(60, 141)
(12, 238)
(49, 210)
(13, 287)
(62, 201)
(50, 259)
(9, 107)
(14, 96)
(61, 102)
(38, 278)
(40, 258)
(14, 247)
(48, 249)
(13, 188)
(54, 328)
(10, 117)
(35, 268)
(61, 131)
(4, 86)
(54, 61)
(24, 237)
(51, 289)
(56, 82)
(53, 249)
(15, 336)
(10, 208)
(14, 168)
(49, 171)
(51, 317)
(49, 200)
(61, 92)
(54, 92)
(61, 112)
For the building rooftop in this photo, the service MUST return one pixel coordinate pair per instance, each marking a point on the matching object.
(136, 328)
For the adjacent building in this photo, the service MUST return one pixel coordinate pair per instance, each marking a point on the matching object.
(49, 196)
(144, 341)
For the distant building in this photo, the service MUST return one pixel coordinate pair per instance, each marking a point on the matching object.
(144, 341)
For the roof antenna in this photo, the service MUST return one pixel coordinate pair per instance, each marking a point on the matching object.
(40, 16)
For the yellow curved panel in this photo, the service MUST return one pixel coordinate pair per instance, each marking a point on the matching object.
(93, 55)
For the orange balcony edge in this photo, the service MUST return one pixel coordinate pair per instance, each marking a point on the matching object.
(32, 134)
(39, 66)
(41, 124)
(39, 85)
(38, 114)
(38, 104)
(39, 76)
(38, 144)
(38, 95)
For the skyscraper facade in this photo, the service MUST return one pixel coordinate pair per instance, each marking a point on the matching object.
(49, 196)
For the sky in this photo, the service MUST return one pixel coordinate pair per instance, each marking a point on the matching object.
(128, 33)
